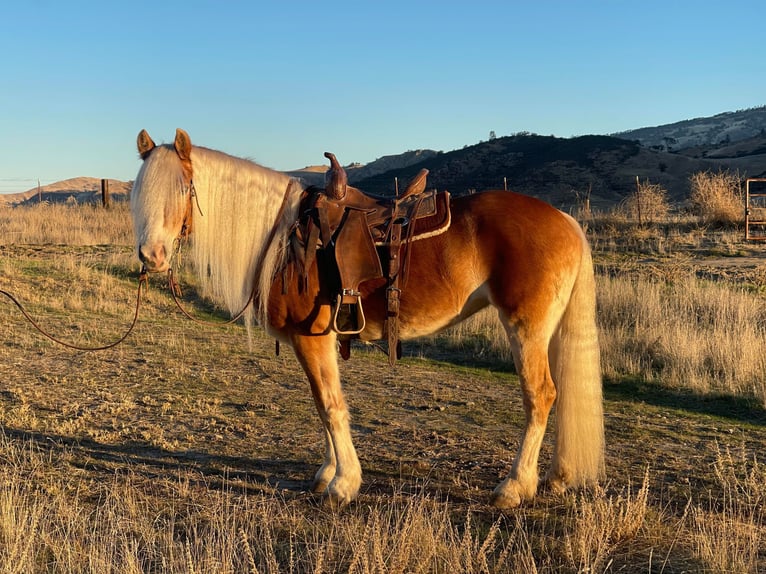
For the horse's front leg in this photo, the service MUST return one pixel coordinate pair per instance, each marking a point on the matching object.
(340, 476)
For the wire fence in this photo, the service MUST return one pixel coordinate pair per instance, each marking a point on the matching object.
(22, 184)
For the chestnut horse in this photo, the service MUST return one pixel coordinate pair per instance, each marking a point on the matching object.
(516, 253)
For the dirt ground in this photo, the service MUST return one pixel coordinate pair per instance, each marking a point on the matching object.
(209, 399)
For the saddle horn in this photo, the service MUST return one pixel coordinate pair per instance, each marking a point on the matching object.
(336, 179)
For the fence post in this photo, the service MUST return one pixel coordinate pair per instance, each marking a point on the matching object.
(105, 199)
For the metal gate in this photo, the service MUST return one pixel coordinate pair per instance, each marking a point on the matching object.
(755, 209)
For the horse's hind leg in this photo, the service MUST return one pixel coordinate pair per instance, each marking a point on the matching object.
(538, 393)
(340, 475)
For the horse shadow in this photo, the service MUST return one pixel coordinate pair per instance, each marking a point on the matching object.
(252, 475)
(736, 408)
(739, 409)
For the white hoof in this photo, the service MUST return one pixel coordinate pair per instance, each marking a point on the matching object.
(323, 478)
(341, 491)
(511, 493)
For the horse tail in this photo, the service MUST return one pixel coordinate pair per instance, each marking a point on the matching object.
(574, 356)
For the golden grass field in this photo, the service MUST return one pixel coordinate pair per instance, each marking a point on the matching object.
(190, 448)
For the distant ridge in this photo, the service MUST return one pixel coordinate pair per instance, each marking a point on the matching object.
(79, 189)
(558, 170)
(718, 130)
(314, 175)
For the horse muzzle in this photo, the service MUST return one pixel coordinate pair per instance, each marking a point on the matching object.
(154, 258)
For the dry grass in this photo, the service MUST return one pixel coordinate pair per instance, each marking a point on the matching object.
(729, 531)
(685, 333)
(66, 224)
(664, 325)
(717, 197)
(188, 450)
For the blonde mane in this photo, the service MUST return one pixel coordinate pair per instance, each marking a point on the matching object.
(239, 201)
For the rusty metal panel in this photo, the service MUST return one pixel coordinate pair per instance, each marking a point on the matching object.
(755, 209)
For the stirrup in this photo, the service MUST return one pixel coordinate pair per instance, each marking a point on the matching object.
(360, 320)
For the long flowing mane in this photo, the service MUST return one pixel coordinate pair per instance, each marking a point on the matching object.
(235, 209)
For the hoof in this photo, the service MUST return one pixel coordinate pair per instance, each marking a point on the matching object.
(341, 492)
(319, 486)
(511, 493)
(555, 485)
(333, 502)
(323, 478)
(556, 482)
(505, 501)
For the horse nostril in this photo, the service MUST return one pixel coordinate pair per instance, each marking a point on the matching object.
(153, 256)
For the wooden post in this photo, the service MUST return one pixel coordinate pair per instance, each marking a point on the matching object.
(105, 199)
(638, 200)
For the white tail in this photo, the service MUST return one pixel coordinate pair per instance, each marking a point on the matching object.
(574, 355)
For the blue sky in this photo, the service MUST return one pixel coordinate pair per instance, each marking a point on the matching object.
(282, 82)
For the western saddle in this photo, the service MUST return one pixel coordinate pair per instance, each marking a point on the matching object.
(364, 241)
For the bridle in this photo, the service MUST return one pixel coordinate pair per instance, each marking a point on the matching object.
(186, 225)
(185, 232)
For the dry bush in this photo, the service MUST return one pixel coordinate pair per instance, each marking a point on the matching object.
(672, 328)
(716, 197)
(648, 204)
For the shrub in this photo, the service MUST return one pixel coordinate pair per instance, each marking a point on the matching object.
(716, 198)
(648, 204)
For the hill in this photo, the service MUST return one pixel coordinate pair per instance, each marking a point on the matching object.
(718, 130)
(314, 175)
(558, 169)
(79, 189)
(554, 169)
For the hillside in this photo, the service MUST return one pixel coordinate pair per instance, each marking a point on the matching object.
(555, 169)
(79, 189)
(552, 168)
(720, 129)
(314, 175)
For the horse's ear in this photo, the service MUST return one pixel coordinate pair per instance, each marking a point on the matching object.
(183, 144)
(145, 144)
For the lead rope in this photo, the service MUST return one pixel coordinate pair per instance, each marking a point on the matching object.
(175, 291)
(142, 283)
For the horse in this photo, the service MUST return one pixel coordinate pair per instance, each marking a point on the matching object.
(528, 260)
